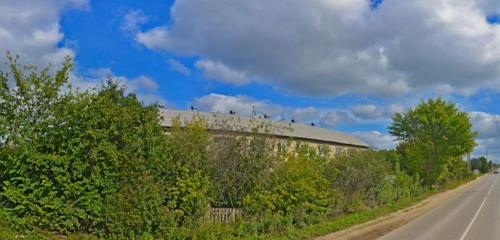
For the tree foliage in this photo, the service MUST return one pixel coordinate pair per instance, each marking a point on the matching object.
(93, 161)
(482, 164)
(296, 189)
(431, 137)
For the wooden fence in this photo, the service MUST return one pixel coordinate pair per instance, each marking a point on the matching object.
(224, 214)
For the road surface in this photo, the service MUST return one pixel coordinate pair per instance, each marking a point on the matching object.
(474, 214)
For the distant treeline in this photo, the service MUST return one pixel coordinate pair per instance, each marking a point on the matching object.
(482, 164)
(98, 163)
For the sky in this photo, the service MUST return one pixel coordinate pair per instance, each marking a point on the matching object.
(346, 65)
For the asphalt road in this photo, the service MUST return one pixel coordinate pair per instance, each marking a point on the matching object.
(474, 214)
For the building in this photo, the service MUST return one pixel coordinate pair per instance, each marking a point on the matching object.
(289, 135)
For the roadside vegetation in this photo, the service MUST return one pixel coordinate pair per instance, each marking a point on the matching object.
(96, 164)
(482, 165)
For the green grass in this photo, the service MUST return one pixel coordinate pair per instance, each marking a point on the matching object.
(341, 222)
(10, 234)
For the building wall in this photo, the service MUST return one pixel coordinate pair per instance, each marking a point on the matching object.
(283, 145)
(288, 146)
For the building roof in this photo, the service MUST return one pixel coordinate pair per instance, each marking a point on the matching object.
(227, 122)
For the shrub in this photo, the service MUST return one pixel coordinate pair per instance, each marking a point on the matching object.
(296, 188)
(237, 165)
(358, 178)
(69, 158)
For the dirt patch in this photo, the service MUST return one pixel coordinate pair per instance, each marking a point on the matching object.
(383, 225)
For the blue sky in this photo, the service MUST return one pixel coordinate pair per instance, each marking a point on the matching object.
(346, 65)
(100, 43)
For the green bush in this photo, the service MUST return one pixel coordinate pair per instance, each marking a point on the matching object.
(94, 162)
(237, 165)
(295, 189)
(358, 178)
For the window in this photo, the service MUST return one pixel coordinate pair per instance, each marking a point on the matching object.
(282, 147)
(323, 150)
(338, 151)
(298, 146)
(350, 151)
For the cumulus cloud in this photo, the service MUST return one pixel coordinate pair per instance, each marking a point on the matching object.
(377, 139)
(246, 106)
(305, 114)
(145, 88)
(156, 38)
(132, 21)
(31, 29)
(144, 83)
(333, 118)
(371, 111)
(179, 67)
(367, 111)
(331, 47)
(242, 105)
(219, 71)
(488, 126)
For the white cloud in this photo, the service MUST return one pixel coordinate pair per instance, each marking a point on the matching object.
(367, 111)
(31, 29)
(143, 83)
(488, 126)
(132, 20)
(333, 118)
(243, 105)
(145, 88)
(371, 111)
(156, 38)
(179, 67)
(377, 139)
(219, 71)
(305, 114)
(327, 47)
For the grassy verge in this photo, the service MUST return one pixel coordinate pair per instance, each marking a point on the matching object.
(349, 220)
(343, 222)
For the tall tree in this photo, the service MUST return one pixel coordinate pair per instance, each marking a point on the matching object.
(431, 136)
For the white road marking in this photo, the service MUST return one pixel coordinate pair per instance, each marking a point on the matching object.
(478, 210)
